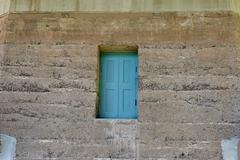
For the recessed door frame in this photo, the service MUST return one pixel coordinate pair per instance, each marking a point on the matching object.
(123, 49)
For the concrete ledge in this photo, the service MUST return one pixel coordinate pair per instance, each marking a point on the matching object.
(116, 121)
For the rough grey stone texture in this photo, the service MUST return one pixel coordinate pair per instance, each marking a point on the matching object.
(188, 85)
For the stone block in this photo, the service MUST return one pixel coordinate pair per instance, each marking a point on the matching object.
(187, 131)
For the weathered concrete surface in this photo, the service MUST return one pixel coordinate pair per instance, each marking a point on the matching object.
(2, 29)
(235, 5)
(7, 6)
(188, 85)
(146, 29)
(4, 6)
(116, 6)
(119, 6)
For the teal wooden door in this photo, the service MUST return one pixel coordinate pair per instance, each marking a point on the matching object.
(118, 85)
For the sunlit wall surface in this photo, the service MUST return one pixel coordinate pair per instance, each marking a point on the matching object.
(117, 6)
(235, 5)
(4, 6)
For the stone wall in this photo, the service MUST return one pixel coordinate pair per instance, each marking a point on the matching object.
(189, 85)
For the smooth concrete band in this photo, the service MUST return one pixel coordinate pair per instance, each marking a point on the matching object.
(235, 5)
(116, 5)
(4, 6)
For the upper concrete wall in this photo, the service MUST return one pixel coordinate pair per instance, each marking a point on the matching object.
(4, 6)
(235, 5)
(117, 5)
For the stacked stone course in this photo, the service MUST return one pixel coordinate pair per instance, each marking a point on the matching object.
(189, 74)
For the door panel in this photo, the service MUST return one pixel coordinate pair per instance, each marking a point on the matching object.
(109, 87)
(118, 86)
(127, 86)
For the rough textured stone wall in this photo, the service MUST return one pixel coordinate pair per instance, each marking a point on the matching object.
(188, 91)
